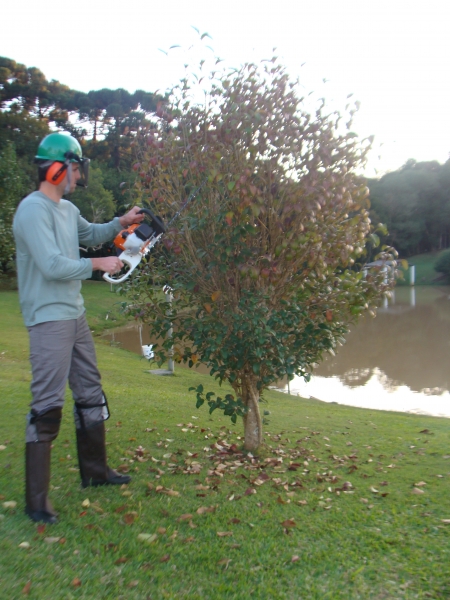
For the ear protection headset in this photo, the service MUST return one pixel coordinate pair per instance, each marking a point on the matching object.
(56, 173)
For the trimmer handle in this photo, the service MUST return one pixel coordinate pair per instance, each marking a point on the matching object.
(131, 261)
(158, 225)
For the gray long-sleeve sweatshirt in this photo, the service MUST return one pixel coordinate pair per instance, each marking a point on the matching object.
(49, 266)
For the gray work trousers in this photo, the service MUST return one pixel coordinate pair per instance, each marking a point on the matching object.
(62, 351)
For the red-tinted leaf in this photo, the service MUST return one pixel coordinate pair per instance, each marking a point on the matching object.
(289, 523)
(26, 589)
(129, 518)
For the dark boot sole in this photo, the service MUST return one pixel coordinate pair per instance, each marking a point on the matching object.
(121, 480)
(40, 516)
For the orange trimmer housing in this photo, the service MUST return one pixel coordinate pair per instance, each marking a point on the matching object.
(120, 238)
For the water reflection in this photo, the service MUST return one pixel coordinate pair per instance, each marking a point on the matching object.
(398, 361)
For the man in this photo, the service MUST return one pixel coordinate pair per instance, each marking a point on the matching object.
(48, 230)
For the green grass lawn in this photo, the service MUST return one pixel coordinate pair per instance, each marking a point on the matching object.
(340, 502)
(425, 273)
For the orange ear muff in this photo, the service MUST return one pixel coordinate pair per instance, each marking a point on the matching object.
(56, 173)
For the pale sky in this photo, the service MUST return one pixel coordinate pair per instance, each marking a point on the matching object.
(394, 55)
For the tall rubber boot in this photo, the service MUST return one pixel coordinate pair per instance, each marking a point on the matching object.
(37, 465)
(91, 448)
(37, 481)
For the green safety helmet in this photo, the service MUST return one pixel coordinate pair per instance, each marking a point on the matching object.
(60, 147)
(65, 149)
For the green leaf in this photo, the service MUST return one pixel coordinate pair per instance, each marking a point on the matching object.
(231, 185)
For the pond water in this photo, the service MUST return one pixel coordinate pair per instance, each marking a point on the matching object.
(398, 361)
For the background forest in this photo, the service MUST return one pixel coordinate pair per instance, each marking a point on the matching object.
(413, 202)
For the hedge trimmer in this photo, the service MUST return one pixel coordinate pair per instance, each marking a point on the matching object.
(138, 239)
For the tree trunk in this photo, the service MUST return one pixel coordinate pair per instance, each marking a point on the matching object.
(252, 420)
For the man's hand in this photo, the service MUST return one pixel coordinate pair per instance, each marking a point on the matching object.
(108, 264)
(131, 217)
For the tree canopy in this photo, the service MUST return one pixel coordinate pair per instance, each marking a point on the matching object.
(262, 263)
(414, 204)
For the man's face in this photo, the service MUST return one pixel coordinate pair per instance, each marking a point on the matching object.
(75, 175)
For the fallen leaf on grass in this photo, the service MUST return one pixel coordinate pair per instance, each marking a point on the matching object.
(147, 537)
(295, 558)
(446, 521)
(224, 561)
(162, 490)
(420, 484)
(133, 583)
(202, 487)
(164, 558)
(51, 540)
(2, 447)
(289, 523)
(185, 517)
(189, 539)
(205, 509)
(86, 503)
(234, 521)
(416, 490)
(24, 545)
(121, 561)
(76, 582)
(280, 500)
(130, 518)
(224, 533)
(26, 588)
(161, 530)
(10, 504)
(41, 528)
(249, 492)
(121, 508)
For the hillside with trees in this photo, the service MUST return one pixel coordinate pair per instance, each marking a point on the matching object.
(413, 202)
(105, 122)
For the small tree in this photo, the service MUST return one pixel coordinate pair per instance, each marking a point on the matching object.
(262, 261)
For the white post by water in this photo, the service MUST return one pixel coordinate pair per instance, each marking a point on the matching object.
(169, 298)
(412, 274)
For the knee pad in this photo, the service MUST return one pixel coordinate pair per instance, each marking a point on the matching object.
(47, 424)
(88, 415)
